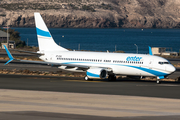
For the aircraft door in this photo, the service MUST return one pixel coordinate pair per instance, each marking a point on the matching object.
(51, 57)
(151, 63)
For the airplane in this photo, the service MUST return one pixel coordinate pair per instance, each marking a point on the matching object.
(97, 65)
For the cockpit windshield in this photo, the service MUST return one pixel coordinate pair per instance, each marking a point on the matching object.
(161, 63)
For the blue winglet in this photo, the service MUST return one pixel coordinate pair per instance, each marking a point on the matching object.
(150, 51)
(9, 55)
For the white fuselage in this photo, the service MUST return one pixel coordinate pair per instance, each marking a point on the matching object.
(120, 63)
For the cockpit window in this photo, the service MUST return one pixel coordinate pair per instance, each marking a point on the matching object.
(161, 63)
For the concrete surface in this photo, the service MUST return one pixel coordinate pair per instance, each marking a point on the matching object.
(87, 104)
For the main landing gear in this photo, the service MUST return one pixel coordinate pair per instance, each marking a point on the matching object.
(112, 77)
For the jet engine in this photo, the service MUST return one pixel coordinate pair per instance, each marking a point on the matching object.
(96, 73)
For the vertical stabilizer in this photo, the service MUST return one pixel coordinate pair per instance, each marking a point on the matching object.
(45, 40)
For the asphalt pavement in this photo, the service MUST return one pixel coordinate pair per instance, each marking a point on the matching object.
(78, 85)
(72, 98)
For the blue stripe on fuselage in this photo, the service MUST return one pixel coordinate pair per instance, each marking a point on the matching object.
(154, 72)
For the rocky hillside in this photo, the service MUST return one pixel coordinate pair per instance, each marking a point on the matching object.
(92, 13)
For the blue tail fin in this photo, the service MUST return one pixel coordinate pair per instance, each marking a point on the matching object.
(45, 40)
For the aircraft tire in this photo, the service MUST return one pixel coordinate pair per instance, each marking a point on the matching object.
(158, 82)
(112, 78)
(86, 78)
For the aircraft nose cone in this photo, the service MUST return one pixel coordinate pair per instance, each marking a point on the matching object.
(172, 69)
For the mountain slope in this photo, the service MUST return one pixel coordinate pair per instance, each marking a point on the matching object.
(92, 13)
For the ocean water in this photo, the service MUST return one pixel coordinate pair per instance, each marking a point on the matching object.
(108, 39)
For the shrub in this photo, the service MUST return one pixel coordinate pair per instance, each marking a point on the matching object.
(88, 8)
(14, 35)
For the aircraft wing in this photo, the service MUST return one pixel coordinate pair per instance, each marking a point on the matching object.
(53, 64)
(27, 52)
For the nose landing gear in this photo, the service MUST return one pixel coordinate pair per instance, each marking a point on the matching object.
(158, 82)
(158, 78)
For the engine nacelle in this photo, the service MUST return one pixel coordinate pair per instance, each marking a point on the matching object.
(96, 73)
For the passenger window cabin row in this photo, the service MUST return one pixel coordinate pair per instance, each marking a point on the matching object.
(80, 59)
(131, 62)
(98, 60)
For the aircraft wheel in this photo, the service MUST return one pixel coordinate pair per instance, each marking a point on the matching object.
(86, 78)
(158, 82)
(112, 78)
